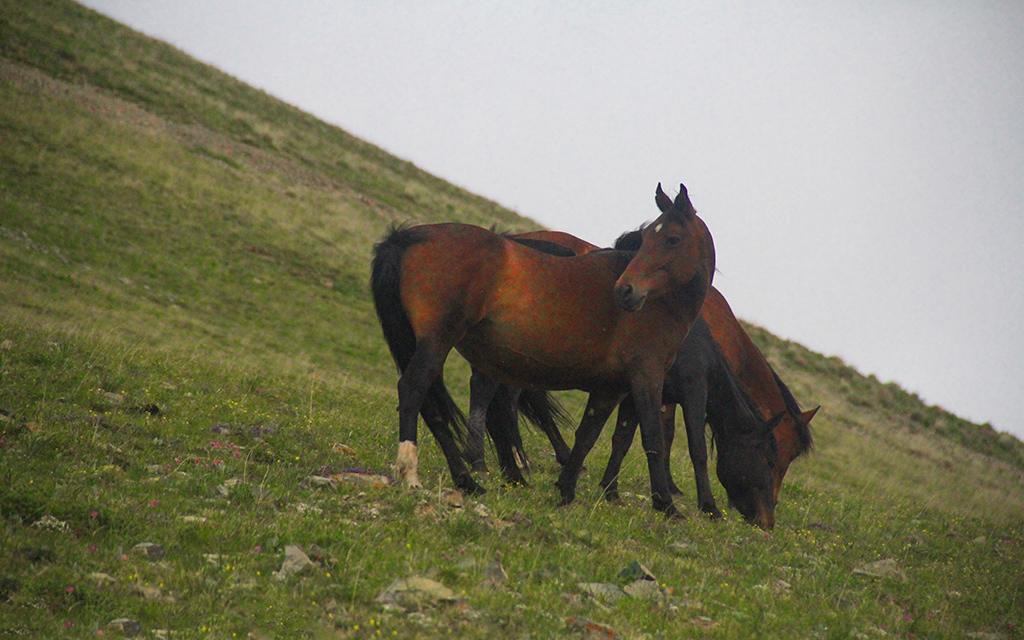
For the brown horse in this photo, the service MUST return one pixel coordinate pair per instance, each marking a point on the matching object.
(608, 323)
(703, 381)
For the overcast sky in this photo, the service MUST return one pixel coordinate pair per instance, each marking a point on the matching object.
(860, 164)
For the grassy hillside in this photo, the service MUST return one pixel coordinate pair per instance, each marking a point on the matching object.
(189, 358)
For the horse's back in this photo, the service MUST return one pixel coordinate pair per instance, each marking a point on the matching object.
(445, 275)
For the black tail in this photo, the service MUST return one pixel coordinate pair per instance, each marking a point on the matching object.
(503, 427)
(385, 276)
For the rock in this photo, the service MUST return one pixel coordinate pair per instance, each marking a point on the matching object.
(603, 590)
(50, 522)
(637, 571)
(149, 550)
(294, 562)
(101, 579)
(320, 481)
(682, 548)
(781, 587)
(414, 593)
(150, 592)
(454, 499)
(495, 573)
(644, 590)
(362, 478)
(703, 622)
(885, 568)
(125, 626)
(589, 628)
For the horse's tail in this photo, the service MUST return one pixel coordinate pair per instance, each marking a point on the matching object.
(503, 427)
(385, 276)
(542, 410)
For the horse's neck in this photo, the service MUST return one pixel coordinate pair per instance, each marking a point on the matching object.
(730, 411)
(683, 303)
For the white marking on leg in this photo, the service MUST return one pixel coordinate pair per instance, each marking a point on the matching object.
(407, 464)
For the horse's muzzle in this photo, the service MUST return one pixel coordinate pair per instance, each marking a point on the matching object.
(628, 298)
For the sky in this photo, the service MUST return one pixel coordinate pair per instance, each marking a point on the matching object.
(860, 164)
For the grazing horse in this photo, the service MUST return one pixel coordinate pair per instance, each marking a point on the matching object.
(607, 322)
(701, 382)
(759, 380)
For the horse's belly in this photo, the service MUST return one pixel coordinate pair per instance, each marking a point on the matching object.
(536, 361)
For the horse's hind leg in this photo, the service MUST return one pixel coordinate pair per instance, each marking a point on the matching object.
(421, 381)
(481, 393)
(442, 432)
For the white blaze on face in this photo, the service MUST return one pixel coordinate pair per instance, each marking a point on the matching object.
(407, 464)
(657, 228)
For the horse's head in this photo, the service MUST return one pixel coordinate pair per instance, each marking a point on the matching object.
(746, 470)
(676, 250)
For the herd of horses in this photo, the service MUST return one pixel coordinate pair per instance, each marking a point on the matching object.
(638, 326)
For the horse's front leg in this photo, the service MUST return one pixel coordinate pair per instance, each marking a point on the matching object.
(625, 429)
(668, 429)
(648, 405)
(599, 407)
(695, 400)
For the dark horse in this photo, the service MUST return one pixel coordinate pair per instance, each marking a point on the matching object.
(760, 382)
(607, 322)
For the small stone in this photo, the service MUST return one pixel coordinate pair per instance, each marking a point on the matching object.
(644, 590)
(125, 626)
(781, 587)
(495, 573)
(454, 499)
(101, 579)
(150, 550)
(294, 562)
(50, 522)
(885, 568)
(590, 628)
(603, 590)
(637, 571)
(413, 593)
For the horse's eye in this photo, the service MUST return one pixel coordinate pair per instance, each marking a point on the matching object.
(672, 241)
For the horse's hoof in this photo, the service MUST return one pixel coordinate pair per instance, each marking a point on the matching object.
(469, 486)
(613, 497)
(674, 515)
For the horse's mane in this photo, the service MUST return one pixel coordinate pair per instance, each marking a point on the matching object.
(630, 240)
(803, 430)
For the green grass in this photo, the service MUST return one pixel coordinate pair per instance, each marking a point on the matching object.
(186, 339)
(82, 449)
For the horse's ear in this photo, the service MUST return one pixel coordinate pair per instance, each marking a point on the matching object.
(682, 202)
(661, 198)
(774, 422)
(806, 416)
